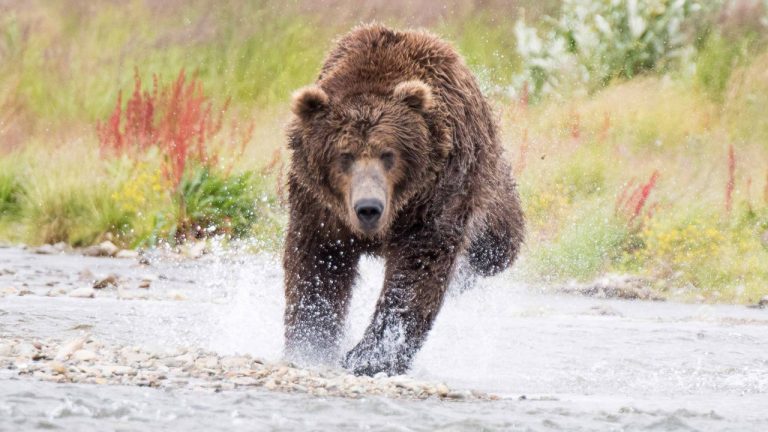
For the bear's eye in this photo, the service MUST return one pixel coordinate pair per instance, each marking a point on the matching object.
(388, 159)
(346, 159)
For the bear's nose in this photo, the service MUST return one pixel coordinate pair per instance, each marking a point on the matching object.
(369, 211)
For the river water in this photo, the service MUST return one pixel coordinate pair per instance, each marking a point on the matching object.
(558, 362)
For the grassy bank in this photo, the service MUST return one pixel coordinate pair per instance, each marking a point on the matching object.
(656, 166)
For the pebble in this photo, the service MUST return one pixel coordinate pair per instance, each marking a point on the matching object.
(55, 292)
(145, 283)
(238, 362)
(135, 357)
(69, 347)
(105, 281)
(459, 395)
(9, 291)
(103, 249)
(46, 249)
(84, 292)
(84, 355)
(176, 295)
(127, 254)
(123, 294)
(245, 381)
(207, 362)
(6, 350)
(57, 367)
(25, 350)
(179, 360)
(108, 370)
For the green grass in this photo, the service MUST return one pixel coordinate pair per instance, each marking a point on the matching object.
(11, 194)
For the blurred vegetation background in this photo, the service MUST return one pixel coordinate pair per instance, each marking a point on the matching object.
(637, 129)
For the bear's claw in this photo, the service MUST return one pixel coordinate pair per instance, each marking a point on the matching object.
(364, 360)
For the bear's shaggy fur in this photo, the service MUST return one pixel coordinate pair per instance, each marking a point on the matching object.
(400, 114)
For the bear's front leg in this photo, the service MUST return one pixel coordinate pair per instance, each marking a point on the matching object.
(319, 273)
(416, 279)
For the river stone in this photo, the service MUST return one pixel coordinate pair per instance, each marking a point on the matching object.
(102, 282)
(458, 395)
(176, 295)
(9, 291)
(127, 254)
(56, 292)
(135, 357)
(6, 350)
(235, 362)
(124, 294)
(47, 377)
(84, 355)
(209, 362)
(103, 249)
(179, 361)
(25, 349)
(442, 390)
(69, 348)
(84, 292)
(110, 370)
(245, 381)
(57, 367)
(46, 249)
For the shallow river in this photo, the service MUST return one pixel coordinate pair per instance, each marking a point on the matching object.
(558, 362)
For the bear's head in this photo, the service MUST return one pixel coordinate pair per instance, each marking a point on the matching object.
(368, 155)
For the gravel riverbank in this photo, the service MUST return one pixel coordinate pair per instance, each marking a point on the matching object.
(84, 360)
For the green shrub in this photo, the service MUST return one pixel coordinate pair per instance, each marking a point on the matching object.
(209, 203)
(594, 41)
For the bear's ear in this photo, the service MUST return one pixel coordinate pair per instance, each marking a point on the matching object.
(416, 94)
(308, 101)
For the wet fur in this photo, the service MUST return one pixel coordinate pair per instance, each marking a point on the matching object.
(452, 194)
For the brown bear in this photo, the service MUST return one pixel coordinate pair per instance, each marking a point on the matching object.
(395, 153)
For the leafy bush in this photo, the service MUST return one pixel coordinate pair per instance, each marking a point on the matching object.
(595, 41)
(211, 204)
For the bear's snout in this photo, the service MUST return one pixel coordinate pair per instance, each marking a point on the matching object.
(368, 195)
(369, 212)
